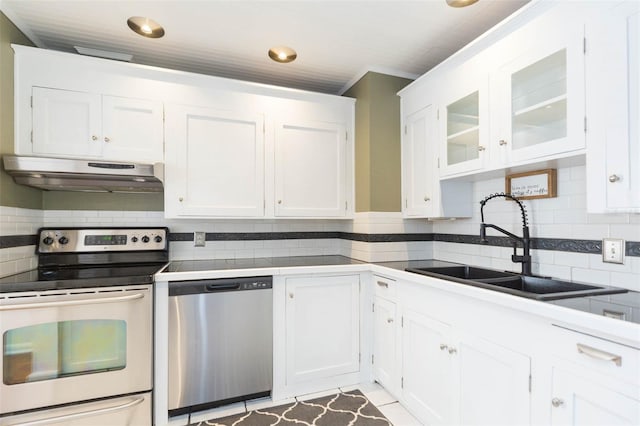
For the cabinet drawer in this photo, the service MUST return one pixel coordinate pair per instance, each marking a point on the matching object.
(598, 355)
(384, 287)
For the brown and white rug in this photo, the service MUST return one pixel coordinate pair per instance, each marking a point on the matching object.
(343, 409)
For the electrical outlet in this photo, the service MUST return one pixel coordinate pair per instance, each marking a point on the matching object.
(199, 239)
(612, 250)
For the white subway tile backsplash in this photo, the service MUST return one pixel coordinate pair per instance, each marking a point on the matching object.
(590, 276)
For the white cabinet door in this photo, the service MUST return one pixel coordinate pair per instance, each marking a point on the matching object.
(579, 401)
(214, 164)
(419, 163)
(322, 327)
(613, 137)
(66, 123)
(310, 169)
(427, 370)
(385, 344)
(132, 130)
(464, 125)
(493, 383)
(538, 96)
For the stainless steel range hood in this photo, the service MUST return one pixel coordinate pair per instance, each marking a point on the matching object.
(57, 174)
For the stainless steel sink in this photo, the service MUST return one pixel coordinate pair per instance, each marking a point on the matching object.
(520, 285)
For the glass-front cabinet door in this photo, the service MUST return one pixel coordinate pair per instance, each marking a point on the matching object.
(538, 96)
(463, 122)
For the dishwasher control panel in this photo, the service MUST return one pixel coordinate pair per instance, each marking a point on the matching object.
(255, 285)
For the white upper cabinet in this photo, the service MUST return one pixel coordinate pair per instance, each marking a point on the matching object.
(311, 169)
(214, 164)
(538, 95)
(67, 123)
(419, 163)
(613, 137)
(464, 124)
(423, 195)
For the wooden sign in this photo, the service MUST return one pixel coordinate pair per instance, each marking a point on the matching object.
(532, 185)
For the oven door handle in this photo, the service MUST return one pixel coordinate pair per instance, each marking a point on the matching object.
(81, 414)
(71, 302)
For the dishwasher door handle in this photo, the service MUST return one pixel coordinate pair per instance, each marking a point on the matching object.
(212, 288)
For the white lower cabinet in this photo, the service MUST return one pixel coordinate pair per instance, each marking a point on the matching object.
(493, 383)
(579, 400)
(428, 386)
(322, 327)
(385, 343)
(457, 378)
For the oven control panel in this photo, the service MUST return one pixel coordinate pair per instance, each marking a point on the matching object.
(74, 240)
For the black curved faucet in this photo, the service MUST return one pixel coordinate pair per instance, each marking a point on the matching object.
(525, 259)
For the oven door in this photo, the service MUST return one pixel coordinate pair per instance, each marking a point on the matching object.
(73, 345)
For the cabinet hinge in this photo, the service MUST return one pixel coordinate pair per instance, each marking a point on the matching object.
(31, 101)
(402, 382)
(438, 162)
(584, 45)
(359, 358)
(346, 206)
(585, 124)
(437, 114)
(164, 115)
(346, 136)
(406, 203)
(405, 129)
(401, 321)
(32, 136)
(529, 383)
(371, 358)
(373, 307)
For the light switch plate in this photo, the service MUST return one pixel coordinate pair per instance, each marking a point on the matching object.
(612, 250)
(199, 239)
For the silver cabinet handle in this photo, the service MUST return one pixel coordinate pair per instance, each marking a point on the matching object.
(389, 320)
(106, 139)
(599, 354)
(81, 414)
(502, 142)
(556, 402)
(614, 178)
(443, 347)
(481, 148)
(453, 351)
(94, 138)
(383, 284)
(71, 302)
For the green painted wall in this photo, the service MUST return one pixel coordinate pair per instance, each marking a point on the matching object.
(11, 194)
(66, 200)
(377, 142)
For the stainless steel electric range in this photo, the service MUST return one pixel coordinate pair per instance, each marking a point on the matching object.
(77, 332)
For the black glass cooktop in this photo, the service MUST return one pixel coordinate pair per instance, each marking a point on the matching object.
(78, 277)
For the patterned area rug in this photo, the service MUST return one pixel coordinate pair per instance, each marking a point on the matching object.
(343, 409)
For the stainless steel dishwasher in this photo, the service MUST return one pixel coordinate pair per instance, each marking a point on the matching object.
(220, 342)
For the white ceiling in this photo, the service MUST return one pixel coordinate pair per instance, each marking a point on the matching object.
(337, 41)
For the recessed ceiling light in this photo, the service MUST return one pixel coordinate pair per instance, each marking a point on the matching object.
(460, 3)
(145, 27)
(282, 54)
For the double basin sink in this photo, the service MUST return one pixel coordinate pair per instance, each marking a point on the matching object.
(540, 288)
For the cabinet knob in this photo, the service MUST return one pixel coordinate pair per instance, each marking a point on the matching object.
(614, 178)
(279, 201)
(290, 295)
(181, 199)
(481, 148)
(443, 347)
(427, 198)
(389, 320)
(502, 142)
(94, 138)
(106, 139)
(556, 402)
(452, 351)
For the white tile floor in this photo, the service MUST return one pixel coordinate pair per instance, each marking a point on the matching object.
(379, 397)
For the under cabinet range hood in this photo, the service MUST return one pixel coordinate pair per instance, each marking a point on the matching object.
(58, 174)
